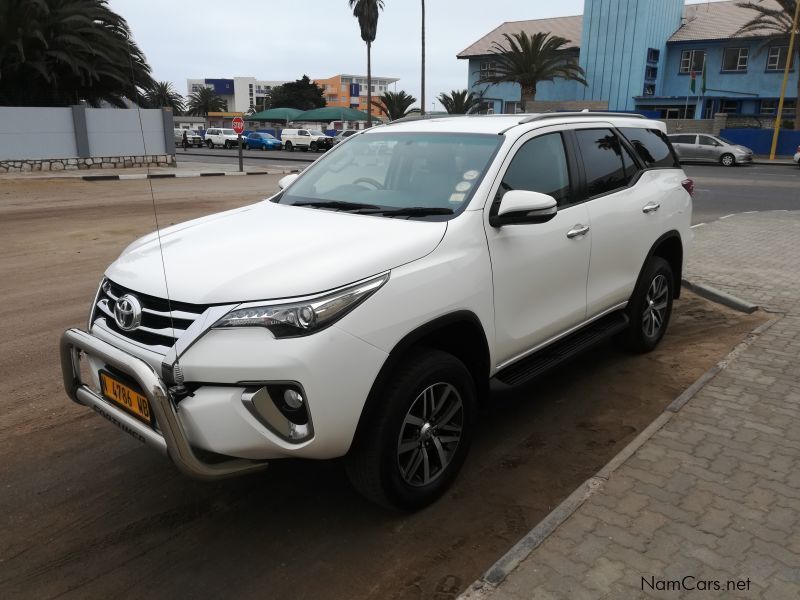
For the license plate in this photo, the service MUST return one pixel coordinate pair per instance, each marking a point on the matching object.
(125, 397)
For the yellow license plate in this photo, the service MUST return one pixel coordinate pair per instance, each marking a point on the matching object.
(124, 396)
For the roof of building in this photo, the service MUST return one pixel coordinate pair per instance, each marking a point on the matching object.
(707, 21)
(566, 27)
(718, 21)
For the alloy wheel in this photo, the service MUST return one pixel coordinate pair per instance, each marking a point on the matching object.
(655, 308)
(430, 434)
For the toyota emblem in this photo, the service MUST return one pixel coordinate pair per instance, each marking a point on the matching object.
(128, 313)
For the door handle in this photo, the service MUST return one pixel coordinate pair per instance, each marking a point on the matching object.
(578, 231)
(651, 207)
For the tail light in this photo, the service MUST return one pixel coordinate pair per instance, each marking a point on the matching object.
(688, 185)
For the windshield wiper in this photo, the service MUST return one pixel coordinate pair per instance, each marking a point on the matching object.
(337, 205)
(413, 211)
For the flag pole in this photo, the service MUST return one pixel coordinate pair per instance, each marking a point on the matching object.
(789, 57)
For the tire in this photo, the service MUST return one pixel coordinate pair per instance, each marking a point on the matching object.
(288, 146)
(386, 463)
(314, 147)
(227, 145)
(650, 307)
(210, 144)
(246, 147)
(727, 160)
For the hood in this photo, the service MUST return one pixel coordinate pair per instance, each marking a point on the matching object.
(268, 251)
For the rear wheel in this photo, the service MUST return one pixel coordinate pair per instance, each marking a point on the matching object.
(650, 306)
(314, 147)
(210, 144)
(227, 145)
(409, 451)
(289, 147)
(727, 160)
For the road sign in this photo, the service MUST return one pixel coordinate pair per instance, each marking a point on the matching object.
(238, 125)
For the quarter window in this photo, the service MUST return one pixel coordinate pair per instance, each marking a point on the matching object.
(735, 60)
(602, 155)
(692, 61)
(539, 166)
(652, 147)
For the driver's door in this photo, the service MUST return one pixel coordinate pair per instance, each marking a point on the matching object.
(539, 270)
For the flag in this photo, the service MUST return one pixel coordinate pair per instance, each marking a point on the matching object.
(693, 81)
(703, 88)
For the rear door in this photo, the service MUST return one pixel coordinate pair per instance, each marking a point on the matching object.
(684, 145)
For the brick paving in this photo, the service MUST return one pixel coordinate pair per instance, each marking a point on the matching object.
(715, 493)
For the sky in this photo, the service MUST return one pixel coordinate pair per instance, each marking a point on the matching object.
(285, 39)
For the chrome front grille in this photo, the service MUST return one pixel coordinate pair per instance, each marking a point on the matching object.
(158, 329)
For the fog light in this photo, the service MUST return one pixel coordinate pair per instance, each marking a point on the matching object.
(293, 399)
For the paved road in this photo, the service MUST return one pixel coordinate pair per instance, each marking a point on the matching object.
(256, 158)
(87, 512)
(721, 191)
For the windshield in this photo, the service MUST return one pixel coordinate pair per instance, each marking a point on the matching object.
(267, 136)
(727, 141)
(398, 171)
(315, 132)
(228, 132)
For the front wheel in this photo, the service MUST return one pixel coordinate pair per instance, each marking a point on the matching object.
(412, 444)
(314, 147)
(210, 144)
(727, 160)
(289, 147)
(650, 307)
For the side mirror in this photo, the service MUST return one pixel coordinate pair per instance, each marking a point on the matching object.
(287, 181)
(521, 206)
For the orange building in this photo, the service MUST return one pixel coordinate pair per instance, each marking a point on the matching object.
(350, 91)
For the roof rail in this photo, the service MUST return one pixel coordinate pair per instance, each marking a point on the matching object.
(585, 113)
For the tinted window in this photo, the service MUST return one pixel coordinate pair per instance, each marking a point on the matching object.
(652, 146)
(602, 159)
(539, 166)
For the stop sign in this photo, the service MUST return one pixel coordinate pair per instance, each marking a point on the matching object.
(238, 125)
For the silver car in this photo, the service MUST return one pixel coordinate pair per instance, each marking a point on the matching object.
(709, 148)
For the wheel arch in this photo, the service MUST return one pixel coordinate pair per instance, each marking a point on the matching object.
(669, 247)
(459, 333)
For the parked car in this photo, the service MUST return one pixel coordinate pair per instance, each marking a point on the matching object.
(263, 141)
(343, 135)
(362, 311)
(797, 156)
(193, 137)
(710, 148)
(305, 140)
(226, 138)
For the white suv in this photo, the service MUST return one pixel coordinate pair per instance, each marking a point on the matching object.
(226, 138)
(305, 140)
(363, 310)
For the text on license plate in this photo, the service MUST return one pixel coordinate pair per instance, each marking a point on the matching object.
(127, 398)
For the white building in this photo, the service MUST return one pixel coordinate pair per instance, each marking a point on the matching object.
(241, 93)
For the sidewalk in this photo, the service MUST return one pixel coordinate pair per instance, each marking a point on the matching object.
(780, 161)
(714, 494)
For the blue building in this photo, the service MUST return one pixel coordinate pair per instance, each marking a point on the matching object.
(641, 55)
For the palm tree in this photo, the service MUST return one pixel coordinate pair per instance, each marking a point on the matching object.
(366, 11)
(162, 94)
(204, 101)
(394, 105)
(459, 102)
(529, 60)
(774, 23)
(422, 91)
(57, 53)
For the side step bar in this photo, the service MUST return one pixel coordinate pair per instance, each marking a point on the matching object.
(563, 350)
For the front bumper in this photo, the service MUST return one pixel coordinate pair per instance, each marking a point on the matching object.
(171, 439)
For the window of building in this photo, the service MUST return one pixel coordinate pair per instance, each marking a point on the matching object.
(649, 89)
(651, 73)
(651, 146)
(734, 60)
(488, 68)
(528, 171)
(729, 106)
(512, 108)
(768, 107)
(776, 59)
(653, 54)
(692, 61)
(788, 107)
(602, 159)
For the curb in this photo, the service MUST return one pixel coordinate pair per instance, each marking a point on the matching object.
(266, 156)
(136, 176)
(720, 297)
(500, 570)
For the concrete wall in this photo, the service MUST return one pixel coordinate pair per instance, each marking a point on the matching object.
(28, 134)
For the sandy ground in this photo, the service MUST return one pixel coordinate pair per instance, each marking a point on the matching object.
(87, 512)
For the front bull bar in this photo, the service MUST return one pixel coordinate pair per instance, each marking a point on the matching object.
(172, 440)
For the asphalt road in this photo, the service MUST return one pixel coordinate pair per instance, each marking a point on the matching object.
(721, 191)
(88, 512)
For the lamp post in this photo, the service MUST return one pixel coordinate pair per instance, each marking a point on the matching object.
(789, 57)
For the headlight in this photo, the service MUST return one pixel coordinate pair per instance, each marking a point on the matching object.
(306, 316)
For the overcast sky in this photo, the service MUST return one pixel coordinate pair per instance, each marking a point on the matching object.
(284, 39)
